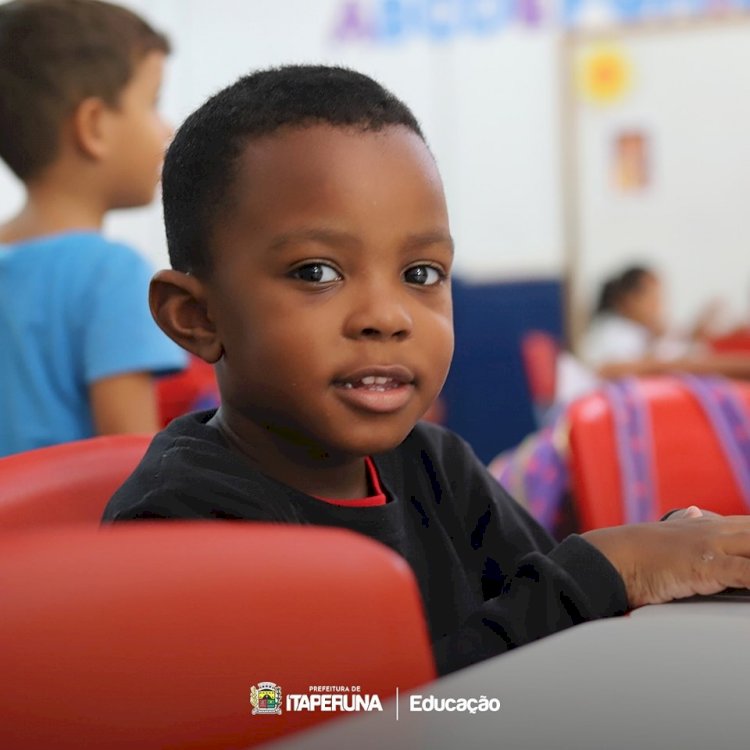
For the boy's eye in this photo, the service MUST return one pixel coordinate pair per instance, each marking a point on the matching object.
(423, 275)
(318, 273)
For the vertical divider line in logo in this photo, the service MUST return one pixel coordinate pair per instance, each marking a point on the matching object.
(396, 704)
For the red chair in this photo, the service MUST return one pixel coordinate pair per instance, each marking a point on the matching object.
(193, 388)
(736, 342)
(539, 351)
(690, 467)
(66, 483)
(152, 635)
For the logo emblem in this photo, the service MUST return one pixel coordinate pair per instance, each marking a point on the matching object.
(265, 698)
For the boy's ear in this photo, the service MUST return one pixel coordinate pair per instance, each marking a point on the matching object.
(178, 304)
(90, 127)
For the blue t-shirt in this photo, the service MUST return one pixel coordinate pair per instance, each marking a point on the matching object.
(73, 310)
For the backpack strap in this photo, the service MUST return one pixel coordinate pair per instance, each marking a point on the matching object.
(634, 444)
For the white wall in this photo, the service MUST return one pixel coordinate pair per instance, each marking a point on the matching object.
(487, 103)
(691, 96)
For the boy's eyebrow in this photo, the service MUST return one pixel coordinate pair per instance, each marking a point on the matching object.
(319, 234)
(338, 237)
(438, 237)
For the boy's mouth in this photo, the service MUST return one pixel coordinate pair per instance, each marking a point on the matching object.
(376, 389)
(373, 383)
(377, 378)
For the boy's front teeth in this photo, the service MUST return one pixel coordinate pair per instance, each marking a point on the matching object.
(372, 380)
(368, 381)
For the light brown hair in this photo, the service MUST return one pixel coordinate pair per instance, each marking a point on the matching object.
(53, 55)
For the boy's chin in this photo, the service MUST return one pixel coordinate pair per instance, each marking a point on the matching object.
(376, 442)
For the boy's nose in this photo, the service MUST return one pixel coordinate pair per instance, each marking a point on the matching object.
(378, 317)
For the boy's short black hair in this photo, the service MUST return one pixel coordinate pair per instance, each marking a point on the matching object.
(53, 55)
(200, 164)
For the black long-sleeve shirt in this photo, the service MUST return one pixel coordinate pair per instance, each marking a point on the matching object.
(491, 578)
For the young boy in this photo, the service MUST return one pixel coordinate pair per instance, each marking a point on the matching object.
(79, 127)
(311, 257)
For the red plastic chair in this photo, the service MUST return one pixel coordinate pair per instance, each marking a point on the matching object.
(193, 388)
(67, 483)
(737, 342)
(689, 464)
(539, 351)
(152, 635)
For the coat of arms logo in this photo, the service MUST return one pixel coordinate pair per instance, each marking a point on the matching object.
(265, 698)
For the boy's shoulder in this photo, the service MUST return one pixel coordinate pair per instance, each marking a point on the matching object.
(186, 458)
(438, 441)
(186, 446)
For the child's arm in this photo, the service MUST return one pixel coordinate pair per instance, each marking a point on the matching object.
(124, 403)
(544, 594)
(530, 586)
(657, 562)
(121, 347)
(534, 588)
(730, 365)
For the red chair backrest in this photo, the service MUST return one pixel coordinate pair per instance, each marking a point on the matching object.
(180, 393)
(690, 467)
(737, 342)
(539, 351)
(152, 635)
(66, 483)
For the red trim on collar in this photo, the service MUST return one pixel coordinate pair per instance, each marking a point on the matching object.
(377, 498)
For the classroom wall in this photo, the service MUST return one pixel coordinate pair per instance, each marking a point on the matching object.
(486, 78)
(486, 100)
(688, 96)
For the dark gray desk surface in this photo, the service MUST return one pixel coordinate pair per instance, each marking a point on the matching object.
(673, 677)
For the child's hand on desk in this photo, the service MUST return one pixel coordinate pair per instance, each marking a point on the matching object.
(680, 558)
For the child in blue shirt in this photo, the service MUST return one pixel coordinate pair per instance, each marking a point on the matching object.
(80, 128)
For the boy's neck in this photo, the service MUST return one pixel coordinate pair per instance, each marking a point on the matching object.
(52, 208)
(340, 478)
